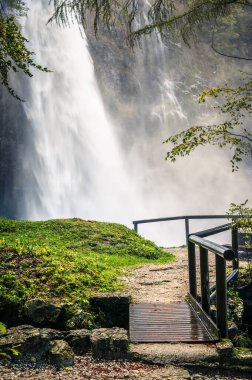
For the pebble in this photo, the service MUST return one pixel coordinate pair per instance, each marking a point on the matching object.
(87, 368)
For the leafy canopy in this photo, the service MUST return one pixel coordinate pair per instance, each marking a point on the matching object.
(183, 16)
(14, 54)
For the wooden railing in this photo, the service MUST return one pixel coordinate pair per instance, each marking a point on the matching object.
(186, 218)
(222, 254)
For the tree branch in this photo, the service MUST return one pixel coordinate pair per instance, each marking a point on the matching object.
(166, 23)
(242, 136)
(213, 34)
(223, 54)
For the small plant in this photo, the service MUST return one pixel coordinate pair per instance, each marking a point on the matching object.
(12, 351)
(242, 340)
(2, 328)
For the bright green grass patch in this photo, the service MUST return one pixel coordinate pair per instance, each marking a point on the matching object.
(64, 261)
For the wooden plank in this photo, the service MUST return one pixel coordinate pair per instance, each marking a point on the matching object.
(176, 322)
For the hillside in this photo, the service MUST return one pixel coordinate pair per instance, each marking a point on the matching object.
(65, 261)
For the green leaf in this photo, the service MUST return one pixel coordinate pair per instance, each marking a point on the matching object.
(2, 328)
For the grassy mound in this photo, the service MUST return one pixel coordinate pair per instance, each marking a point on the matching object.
(66, 260)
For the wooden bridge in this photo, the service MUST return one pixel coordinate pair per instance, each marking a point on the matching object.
(192, 319)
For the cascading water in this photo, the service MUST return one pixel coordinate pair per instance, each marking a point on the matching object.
(76, 164)
(73, 166)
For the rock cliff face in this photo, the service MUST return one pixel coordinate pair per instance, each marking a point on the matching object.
(132, 80)
(151, 91)
(14, 134)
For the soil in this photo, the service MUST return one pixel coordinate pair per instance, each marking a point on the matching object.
(87, 368)
(165, 282)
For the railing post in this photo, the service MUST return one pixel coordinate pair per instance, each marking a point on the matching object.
(192, 269)
(235, 247)
(135, 226)
(221, 296)
(204, 280)
(186, 229)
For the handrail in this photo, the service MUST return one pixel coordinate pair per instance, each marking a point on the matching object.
(215, 230)
(222, 216)
(222, 254)
(187, 218)
(226, 253)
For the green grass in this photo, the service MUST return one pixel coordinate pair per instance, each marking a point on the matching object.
(64, 261)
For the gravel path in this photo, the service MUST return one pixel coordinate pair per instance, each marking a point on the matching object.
(87, 368)
(164, 283)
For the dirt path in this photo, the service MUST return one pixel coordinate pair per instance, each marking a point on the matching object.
(159, 283)
(167, 282)
(87, 368)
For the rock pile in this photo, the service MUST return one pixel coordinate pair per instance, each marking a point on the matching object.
(37, 345)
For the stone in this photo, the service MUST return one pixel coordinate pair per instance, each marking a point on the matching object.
(246, 294)
(60, 354)
(225, 350)
(79, 341)
(112, 310)
(109, 343)
(29, 341)
(41, 312)
(10, 313)
(247, 309)
(243, 357)
(51, 334)
(233, 331)
(76, 320)
(181, 354)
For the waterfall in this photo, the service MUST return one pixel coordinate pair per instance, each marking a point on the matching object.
(78, 161)
(72, 165)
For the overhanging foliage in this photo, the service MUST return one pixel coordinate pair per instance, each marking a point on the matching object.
(230, 133)
(14, 54)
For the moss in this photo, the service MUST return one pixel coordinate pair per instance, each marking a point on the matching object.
(242, 340)
(225, 340)
(64, 261)
(241, 350)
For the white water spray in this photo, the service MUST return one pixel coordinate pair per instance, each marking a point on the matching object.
(74, 167)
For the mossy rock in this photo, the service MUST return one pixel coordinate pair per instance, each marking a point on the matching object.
(60, 354)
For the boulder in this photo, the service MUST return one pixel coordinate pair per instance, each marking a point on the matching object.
(51, 334)
(41, 312)
(233, 331)
(60, 354)
(225, 350)
(79, 341)
(32, 343)
(109, 343)
(76, 320)
(246, 294)
(111, 310)
(10, 313)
